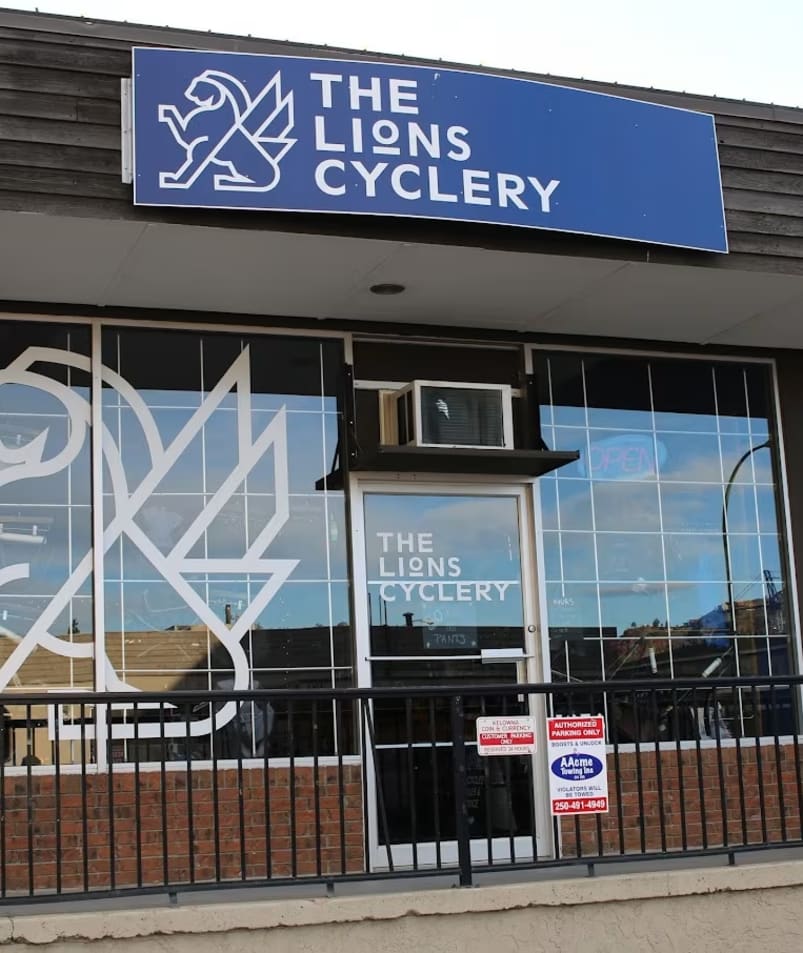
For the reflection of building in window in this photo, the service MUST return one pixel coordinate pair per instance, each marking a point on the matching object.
(188, 658)
(635, 554)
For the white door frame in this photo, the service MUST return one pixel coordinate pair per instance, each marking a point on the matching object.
(536, 652)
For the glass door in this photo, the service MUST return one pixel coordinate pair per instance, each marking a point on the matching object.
(447, 599)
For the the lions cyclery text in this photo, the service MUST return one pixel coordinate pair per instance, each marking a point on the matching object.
(406, 139)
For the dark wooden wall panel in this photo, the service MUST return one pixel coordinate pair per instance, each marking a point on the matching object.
(761, 160)
(60, 135)
(762, 180)
(27, 78)
(37, 155)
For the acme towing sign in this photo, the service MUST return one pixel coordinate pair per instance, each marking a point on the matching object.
(296, 134)
(578, 770)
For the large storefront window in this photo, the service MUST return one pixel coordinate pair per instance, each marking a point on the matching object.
(662, 544)
(223, 566)
(45, 514)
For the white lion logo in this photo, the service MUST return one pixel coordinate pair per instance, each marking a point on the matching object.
(230, 130)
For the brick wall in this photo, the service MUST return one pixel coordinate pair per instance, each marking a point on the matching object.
(675, 799)
(681, 801)
(177, 825)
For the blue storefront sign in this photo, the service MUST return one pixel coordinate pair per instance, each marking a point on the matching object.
(246, 131)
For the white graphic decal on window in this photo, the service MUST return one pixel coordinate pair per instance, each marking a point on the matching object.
(175, 565)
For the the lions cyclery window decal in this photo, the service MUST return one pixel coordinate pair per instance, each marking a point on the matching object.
(248, 131)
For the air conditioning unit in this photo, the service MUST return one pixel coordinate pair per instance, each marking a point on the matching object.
(445, 414)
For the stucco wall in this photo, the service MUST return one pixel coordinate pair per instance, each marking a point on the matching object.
(747, 908)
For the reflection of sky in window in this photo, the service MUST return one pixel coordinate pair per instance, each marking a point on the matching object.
(633, 531)
(212, 454)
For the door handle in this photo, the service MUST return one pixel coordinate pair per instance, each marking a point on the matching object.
(423, 658)
(494, 656)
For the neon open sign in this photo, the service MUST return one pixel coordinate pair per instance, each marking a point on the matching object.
(623, 457)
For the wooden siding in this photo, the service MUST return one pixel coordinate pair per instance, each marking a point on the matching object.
(60, 145)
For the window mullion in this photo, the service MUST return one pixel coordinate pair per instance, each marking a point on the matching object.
(98, 611)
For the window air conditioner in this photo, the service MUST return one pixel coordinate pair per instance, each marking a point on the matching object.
(445, 414)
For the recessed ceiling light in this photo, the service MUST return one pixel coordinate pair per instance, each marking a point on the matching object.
(387, 288)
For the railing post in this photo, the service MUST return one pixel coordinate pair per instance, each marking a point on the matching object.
(459, 783)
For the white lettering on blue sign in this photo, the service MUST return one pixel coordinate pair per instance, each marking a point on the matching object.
(225, 130)
(576, 767)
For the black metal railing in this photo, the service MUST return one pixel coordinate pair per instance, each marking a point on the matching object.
(145, 792)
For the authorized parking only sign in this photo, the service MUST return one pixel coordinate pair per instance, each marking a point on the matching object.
(578, 770)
